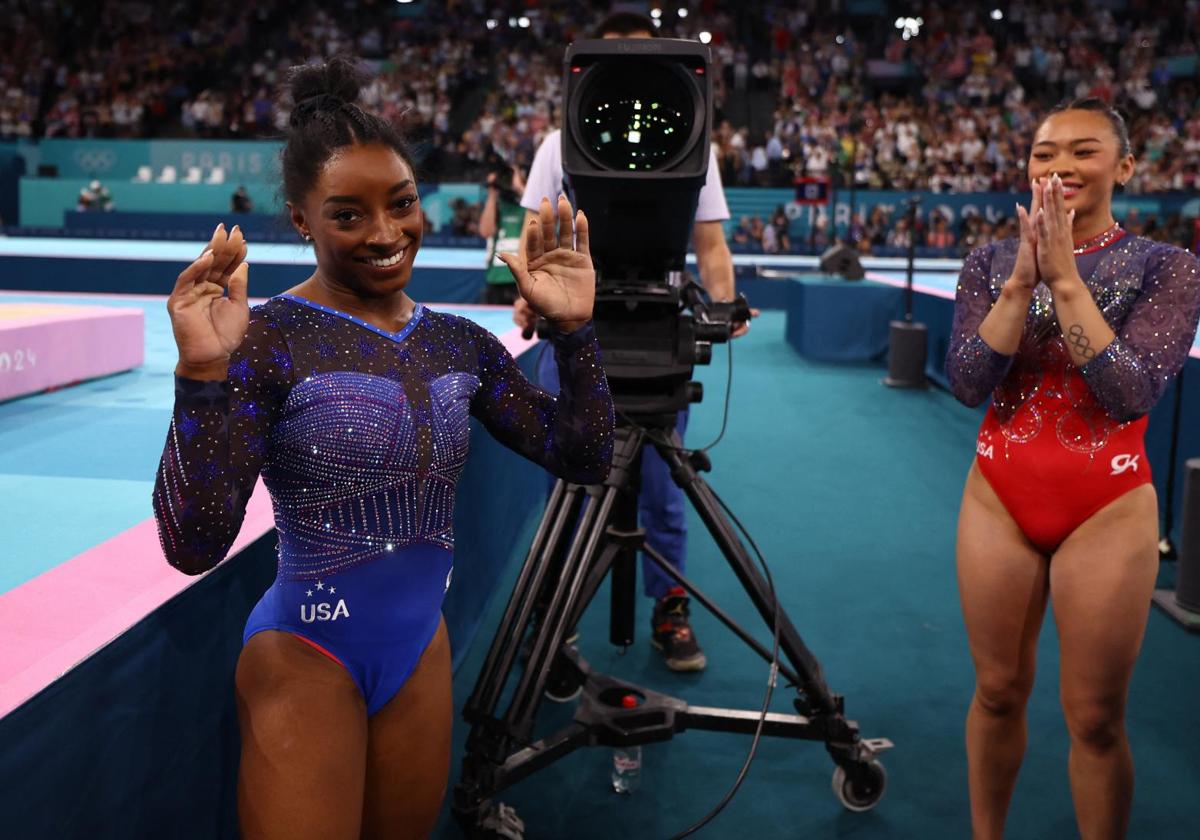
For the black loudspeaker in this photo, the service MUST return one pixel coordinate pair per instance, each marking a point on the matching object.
(47, 170)
(842, 260)
(907, 342)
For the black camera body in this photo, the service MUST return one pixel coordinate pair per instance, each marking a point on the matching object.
(635, 150)
(500, 176)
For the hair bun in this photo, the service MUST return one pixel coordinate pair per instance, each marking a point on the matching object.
(334, 83)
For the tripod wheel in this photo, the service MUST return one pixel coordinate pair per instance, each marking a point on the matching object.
(564, 682)
(862, 790)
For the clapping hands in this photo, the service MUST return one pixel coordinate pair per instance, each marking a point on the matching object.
(1055, 243)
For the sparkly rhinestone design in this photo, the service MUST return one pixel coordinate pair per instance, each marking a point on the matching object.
(1149, 294)
(361, 434)
(1098, 242)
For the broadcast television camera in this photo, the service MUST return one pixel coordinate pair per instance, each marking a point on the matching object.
(636, 151)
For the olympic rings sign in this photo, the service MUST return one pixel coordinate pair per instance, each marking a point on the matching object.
(95, 160)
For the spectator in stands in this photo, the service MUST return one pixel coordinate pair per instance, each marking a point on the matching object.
(939, 235)
(876, 230)
(856, 232)
(769, 238)
(1133, 222)
(240, 201)
(782, 224)
(742, 233)
(94, 197)
(465, 218)
(818, 237)
(899, 236)
(756, 231)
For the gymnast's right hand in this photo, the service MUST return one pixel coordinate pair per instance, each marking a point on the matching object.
(209, 324)
(1025, 276)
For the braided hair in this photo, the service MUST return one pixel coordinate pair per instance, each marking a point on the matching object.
(324, 119)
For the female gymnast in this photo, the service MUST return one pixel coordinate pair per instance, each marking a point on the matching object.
(352, 402)
(1075, 330)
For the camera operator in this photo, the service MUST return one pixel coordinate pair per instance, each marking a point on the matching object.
(95, 196)
(500, 224)
(661, 502)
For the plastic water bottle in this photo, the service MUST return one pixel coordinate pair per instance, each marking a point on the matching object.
(627, 761)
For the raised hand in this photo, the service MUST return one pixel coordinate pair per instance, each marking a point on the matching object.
(555, 278)
(208, 324)
(1025, 272)
(1056, 245)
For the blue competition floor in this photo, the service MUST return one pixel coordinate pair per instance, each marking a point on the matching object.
(77, 465)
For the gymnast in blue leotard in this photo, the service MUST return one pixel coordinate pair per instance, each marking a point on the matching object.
(353, 404)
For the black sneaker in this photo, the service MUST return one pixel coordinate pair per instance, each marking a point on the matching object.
(673, 633)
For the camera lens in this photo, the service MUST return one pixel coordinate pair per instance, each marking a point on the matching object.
(637, 116)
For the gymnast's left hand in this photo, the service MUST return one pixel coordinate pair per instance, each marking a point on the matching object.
(1055, 243)
(556, 278)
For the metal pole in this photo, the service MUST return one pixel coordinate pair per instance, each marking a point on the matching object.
(912, 253)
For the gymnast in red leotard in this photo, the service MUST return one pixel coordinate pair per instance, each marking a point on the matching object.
(1074, 331)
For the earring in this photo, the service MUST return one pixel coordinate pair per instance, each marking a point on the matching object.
(308, 237)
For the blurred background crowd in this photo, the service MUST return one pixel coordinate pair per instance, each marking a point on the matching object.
(943, 100)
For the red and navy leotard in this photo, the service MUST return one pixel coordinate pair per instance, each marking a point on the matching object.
(360, 436)
(1060, 441)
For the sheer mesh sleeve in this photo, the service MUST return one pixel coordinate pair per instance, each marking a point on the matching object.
(215, 448)
(972, 367)
(571, 435)
(1152, 344)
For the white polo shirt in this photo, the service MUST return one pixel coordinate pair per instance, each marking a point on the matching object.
(546, 181)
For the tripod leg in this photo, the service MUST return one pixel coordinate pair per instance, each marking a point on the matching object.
(1166, 548)
(558, 517)
(554, 627)
(567, 604)
(812, 680)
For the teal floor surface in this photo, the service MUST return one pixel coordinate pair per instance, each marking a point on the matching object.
(852, 491)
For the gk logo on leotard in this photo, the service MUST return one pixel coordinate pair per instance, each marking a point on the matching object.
(324, 611)
(1124, 463)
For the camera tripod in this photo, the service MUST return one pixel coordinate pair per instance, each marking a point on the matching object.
(597, 527)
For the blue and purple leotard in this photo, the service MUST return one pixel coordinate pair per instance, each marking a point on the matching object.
(360, 436)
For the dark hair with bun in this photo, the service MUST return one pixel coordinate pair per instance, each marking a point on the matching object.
(1095, 103)
(324, 119)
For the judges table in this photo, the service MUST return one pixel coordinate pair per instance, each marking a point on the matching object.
(834, 320)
